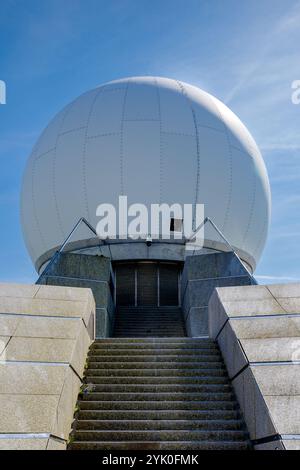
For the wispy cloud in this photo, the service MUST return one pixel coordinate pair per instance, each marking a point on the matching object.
(277, 278)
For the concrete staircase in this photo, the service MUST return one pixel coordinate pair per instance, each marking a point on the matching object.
(157, 394)
(155, 322)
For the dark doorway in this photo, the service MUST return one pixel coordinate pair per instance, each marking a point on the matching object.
(147, 284)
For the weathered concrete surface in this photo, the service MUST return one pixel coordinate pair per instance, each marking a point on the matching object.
(45, 335)
(258, 331)
(86, 271)
(201, 274)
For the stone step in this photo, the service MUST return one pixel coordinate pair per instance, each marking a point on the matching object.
(136, 347)
(156, 365)
(158, 425)
(149, 320)
(154, 351)
(161, 396)
(155, 358)
(155, 372)
(144, 335)
(157, 415)
(173, 435)
(164, 340)
(158, 405)
(157, 381)
(159, 388)
(156, 445)
(146, 393)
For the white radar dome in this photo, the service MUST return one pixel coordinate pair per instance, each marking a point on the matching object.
(155, 140)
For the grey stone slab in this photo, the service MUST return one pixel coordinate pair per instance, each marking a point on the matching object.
(81, 266)
(244, 293)
(200, 291)
(232, 351)
(197, 321)
(253, 406)
(31, 379)
(285, 412)
(103, 323)
(290, 304)
(278, 380)
(267, 327)
(285, 290)
(25, 443)
(217, 316)
(18, 290)
(213, 265)
(39, 349)
(272, 349)
(47, 327)
(253, 307)
(291, 444)
(22, 413)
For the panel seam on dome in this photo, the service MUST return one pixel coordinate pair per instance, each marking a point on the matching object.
(122, 138)
(67, 110)
(44, 154)
(32, 188)
(32, 191)
(71, 130)
(242, 150)
(108, 89)
(106, 134)
(183, 91)
(230, 165)
(160, 141)
(260, 240)
(251, 212)
(86, 202)
(34, 204)
(141, 119)
(178, 133)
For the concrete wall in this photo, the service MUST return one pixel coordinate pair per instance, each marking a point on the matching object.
(258, 331)
(45, 335)
(81, 270)
(201, 274)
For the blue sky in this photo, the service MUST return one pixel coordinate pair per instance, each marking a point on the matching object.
(247, 53)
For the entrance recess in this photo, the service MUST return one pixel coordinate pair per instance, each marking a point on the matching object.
(147, 284)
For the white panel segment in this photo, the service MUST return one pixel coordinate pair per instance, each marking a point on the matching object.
(239, 136)
(176, 114)
(48, 138)
(106, 115)
(78, 113)
(258, 228)
(242, 197)
(102, 167)
(142, 101)
(69, 179)
(141, 161)
(43, 202)
(29, 223)
(214, 174)
(179, 169)
(206, 112)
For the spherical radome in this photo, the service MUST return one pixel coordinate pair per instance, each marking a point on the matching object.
(155, 140)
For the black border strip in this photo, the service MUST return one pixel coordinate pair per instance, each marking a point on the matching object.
(222, 328)
(265, 440)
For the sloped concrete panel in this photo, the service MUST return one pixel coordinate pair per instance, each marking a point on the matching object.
(262, 322)
(42, 360)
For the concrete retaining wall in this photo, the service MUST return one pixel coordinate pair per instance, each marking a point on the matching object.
(45, 333)
(94, 272)
(258, 331)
